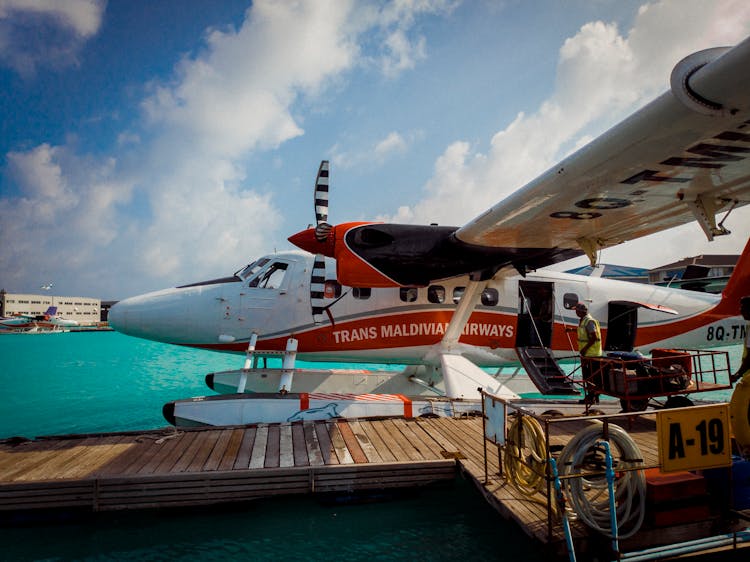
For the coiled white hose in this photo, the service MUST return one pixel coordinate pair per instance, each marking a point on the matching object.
(588, 495)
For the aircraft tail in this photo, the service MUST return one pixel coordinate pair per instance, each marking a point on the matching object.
(738, 285)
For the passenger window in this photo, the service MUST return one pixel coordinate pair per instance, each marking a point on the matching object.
(332, 289)
(408, 294)
(458, 292)
(436, 294)
(490, 297)
(570, 300)
(362, 293)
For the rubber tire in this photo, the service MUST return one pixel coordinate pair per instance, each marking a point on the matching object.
(633, 405)
(678, 402)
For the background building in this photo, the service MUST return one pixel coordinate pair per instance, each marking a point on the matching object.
(706, 273)
(84, 310)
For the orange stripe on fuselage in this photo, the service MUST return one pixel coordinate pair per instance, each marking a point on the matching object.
(493, 330)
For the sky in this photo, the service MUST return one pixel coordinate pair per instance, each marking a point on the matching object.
(145, 145)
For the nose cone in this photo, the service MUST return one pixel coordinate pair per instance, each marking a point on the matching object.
(307, 240)
(159, 316)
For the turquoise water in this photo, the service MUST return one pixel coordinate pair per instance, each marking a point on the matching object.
(105, 381)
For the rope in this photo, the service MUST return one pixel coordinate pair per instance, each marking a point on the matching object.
(588, 494)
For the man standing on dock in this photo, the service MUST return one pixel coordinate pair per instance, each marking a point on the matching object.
(744, 368)
(589, 345)
(739, 404)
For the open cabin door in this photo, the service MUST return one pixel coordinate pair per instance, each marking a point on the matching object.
(622, 323)
(536, 306)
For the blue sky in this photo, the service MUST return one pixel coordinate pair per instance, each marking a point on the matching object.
(149, 144)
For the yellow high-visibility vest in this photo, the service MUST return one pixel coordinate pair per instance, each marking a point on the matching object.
(583, 336)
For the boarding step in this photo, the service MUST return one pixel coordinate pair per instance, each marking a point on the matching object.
(544, 371)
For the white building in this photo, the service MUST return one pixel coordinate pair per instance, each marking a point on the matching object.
(84, 310)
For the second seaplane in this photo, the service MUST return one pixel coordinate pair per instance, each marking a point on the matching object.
(450, 301)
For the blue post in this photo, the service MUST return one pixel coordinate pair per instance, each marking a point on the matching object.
(561, 505)
(610, 473)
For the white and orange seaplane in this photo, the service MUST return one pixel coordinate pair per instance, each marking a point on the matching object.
(450, 301)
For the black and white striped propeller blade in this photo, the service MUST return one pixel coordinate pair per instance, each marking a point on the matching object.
(322, 228)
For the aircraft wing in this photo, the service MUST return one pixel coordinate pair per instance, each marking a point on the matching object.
(684, 157)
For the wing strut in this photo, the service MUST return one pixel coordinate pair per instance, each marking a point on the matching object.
(463, 379)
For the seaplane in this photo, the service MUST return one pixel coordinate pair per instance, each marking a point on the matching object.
(46, 323)
(450, 302)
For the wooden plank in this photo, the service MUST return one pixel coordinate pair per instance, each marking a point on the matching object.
(144, 448)
(390, 444)
(96, 456)
(30, 457)
(426, 450)
(230, 453)
(167, 446)
(204, 452)
(258, 455)
(217, 453)
(53, 464)
(352, 445)
(338, 443)
(286, 445)
(324, 441)
(245, 452)
(17, 458)
(377, 442)
(312, 446)
(445, 445)
(364, 441)
(409, 450)
(273, 447)
(189, 454)
(182, 442)
(299, 451)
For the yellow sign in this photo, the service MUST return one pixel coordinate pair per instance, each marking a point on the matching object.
(694, 438)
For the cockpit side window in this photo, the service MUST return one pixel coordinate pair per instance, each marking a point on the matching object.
(253, 268)
(271, 277)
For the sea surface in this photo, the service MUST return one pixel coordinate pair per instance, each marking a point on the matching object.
(57, 384)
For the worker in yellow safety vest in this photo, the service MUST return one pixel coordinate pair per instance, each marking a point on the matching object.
(744, 369)
(589, 345)
(739, 405)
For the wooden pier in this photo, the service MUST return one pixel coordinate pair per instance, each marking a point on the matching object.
(190, 467)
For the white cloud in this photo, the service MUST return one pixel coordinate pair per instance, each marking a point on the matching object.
(237, 95)
(203, 215)
(25, 40)
(393, 142)
(396, 50)
(602, 75)
(63, 216)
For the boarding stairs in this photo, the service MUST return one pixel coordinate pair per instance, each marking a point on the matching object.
(544, 371)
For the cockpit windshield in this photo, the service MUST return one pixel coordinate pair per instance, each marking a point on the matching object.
(252, 269)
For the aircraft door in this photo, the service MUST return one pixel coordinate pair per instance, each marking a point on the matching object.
(622, 323)
(262, 298)
(536, 308)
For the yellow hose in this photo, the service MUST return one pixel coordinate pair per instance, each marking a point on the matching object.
(525, 457)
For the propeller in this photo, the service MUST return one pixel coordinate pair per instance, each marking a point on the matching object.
(322, 231)
(322, 228)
